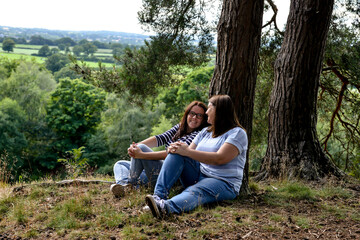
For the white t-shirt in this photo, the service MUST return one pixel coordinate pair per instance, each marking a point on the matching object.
(231, 172)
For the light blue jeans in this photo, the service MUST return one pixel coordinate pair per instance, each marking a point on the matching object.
(137, 171)
(199, 188)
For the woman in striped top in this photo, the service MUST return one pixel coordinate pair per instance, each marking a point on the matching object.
(211, 168)
(145, 164)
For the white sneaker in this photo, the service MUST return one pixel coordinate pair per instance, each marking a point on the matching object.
(118, 190)
(146, 208)
(156, 205)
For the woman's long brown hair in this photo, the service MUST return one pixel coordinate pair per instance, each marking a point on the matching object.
(225, 116)
(183, 129)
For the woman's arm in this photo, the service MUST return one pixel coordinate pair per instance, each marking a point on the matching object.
(225, 154)
(150, 142)
(136, 152)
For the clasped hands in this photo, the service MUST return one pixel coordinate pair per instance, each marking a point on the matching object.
(134, 150)
(178, 148)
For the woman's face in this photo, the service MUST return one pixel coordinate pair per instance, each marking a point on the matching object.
(210, 113)
(195, 118)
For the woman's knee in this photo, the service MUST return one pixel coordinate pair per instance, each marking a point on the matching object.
(144, 147)
(122, 163)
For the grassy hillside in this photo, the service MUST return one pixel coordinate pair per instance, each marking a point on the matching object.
(277, 210)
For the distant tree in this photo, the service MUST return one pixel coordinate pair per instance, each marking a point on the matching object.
(44, 51)
(20, 41)
(56, 62)
(67, 49)
(66, 72)
(89, 48)
(39, 40)
(83, 41)
(54, 50)
(67, 41)
(8, 45)
(77, 50)
(117, 45)
(117, 52)
(101, 44)
(8, 65)
(62, 46)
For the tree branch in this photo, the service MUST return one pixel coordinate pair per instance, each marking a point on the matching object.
(345, 83)
(273, 18)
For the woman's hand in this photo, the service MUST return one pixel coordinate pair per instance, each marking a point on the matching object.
(134, 151)
(178, 148)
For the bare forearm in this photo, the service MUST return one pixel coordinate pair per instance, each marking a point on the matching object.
(225, 154)
(160, 155)
(212, 158)
(151, 142)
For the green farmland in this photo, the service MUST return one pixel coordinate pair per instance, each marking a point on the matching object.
(25, 52)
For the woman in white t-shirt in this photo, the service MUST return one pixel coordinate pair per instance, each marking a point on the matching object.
(210, 169)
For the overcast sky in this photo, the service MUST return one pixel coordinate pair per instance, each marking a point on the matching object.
(92, 15)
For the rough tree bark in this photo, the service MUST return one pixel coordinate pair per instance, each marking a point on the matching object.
(293, 147)
(239, 34)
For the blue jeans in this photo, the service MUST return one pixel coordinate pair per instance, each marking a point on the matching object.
(199, 188)
(138, 171)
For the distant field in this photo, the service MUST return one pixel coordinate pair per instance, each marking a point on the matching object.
(25, 51)
(23, 56)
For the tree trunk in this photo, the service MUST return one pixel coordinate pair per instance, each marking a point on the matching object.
(293, 147)
(239, 34)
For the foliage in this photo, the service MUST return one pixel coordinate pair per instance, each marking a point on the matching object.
(7, 66)
(39, 40)
(75, 163)
(195, 86)
(66, 72)
(67, 41)
(339, 117)
(56, 62)
(270, 46)
(29, 85)
(178, 43)
(44, 51)
(8, 45)
(122, 123)
(73, 112)
(12, 137)
(163, 125)
(89, 48)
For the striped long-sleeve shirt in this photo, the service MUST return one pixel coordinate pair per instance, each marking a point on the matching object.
(166, 137)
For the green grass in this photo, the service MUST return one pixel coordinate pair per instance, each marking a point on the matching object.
(90, 211)
(22, 56)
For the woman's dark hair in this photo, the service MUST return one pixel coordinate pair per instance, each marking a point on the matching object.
(225, 116)
(183, 128)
